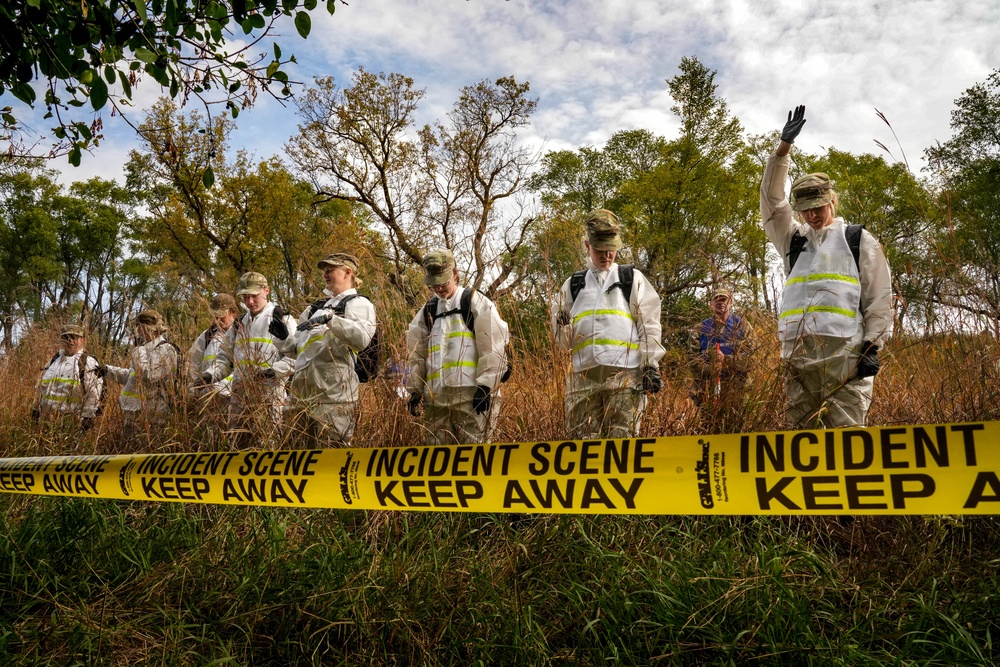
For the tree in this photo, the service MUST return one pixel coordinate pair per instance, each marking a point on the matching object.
(967, 169)
(439, 185)
(86, 51)
(258, 217)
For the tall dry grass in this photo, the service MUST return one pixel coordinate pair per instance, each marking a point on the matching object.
(123, 583)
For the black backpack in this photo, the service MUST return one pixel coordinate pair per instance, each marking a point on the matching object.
(369, 360)
(465, 310)
(626, 276)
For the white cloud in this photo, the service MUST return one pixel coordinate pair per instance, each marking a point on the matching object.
(601, 66)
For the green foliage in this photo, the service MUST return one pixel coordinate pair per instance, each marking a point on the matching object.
(79, 49)
(967, 167)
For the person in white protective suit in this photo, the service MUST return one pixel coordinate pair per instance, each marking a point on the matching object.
(457, 346)
(213, 394)
(330, 335)
(260, 350)
(151, 378)
(836, 307)
(608, 317)
(71, 386)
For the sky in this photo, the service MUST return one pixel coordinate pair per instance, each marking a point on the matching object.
(600, 66)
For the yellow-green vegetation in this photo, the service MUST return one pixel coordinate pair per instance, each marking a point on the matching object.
(122, 583)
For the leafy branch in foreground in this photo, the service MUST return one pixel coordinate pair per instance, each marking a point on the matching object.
(95, 51)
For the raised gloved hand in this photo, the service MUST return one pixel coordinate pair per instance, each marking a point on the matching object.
(796, 119)
(320, 318)
(481, 401)
(414, 404)
(563, 319)
(651, 381)
(868, 363)
(277, 327)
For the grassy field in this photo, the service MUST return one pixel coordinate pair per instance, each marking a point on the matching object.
(122, 583)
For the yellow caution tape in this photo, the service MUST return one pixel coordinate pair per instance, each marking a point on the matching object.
(927, 469)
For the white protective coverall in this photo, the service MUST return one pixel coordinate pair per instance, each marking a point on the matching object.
(449, 362)
(325, 384)
(612, 338)
(149, 381)
(820, 351)
(201, 359)
(251, 352)
(62, 392)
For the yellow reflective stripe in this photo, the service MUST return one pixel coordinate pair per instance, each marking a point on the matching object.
(61, 399)
(251, 362)
(60, 380)
(310, 341)
(269, 341)
(606, 341)
(459, 364)
(819, 309)
(840, 277)
(603, 311)
(208, 357)
(434, 376)
(460, 334)
(129, 394)
(831, 309)
(433, 348)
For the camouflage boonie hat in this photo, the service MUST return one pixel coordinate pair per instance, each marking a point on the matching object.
(603, 229)
(223, 304)
(151, 318)
(722, 291)
(251, 283)
(339, 259)
(811, 191)
(439, 267)
(72, 330)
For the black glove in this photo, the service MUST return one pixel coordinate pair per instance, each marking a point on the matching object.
(86, 423)
(796, 119)
(207, 378)
(562, 319)
(651, 381)
(101, 370)
(322, 317)
(481, 401)
(415, 399)
(277, 327)
(266, 373)
(36, 415)
(868, 364)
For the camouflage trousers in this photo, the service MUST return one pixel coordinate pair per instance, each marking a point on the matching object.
(449, 418)
(816, 399)
(604, 402)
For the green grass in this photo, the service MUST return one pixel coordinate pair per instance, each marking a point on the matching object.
(90, 582)
(126, 583)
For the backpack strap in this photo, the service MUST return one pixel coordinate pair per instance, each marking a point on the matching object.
(853, 236)
(795, 249)
(626, 277)
(341, 306)
(464, 309)
(316, 305)
(430, 313)
(576, 283)
(51, 361)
